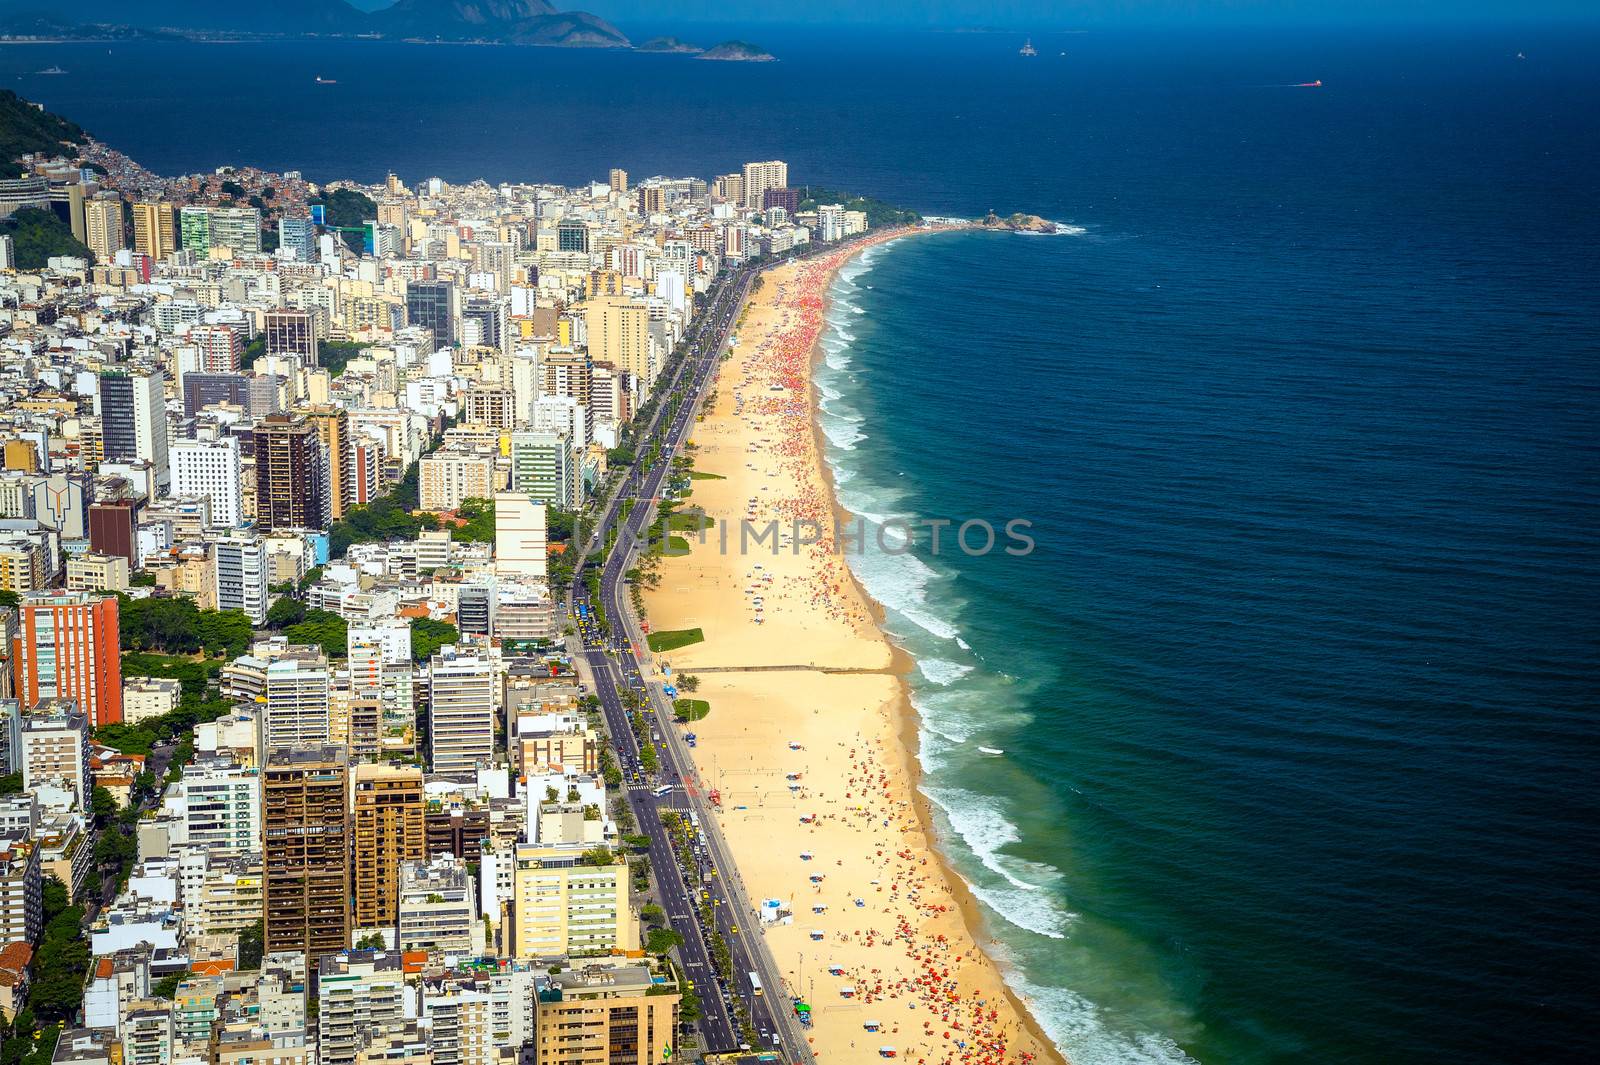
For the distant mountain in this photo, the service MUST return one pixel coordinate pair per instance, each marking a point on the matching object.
(504, 21)
(278, 17)
(738, 52)
(499, 21)
(34, 24)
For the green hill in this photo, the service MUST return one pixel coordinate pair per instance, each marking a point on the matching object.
(26, 127)
(38, 235)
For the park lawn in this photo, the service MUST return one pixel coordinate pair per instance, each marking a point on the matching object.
(690, 710)
(672, 639)
(690, 521)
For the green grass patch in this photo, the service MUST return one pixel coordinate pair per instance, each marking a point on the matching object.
(696, 475)
(672, 639)
(677, 545)
(691, 521)
(690, 709)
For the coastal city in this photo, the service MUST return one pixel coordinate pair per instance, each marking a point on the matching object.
(332, 725)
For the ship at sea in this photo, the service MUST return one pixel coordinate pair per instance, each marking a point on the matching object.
(1027, 48)
(326, 81)
(52, 70)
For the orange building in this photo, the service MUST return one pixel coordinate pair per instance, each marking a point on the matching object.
(68, 646)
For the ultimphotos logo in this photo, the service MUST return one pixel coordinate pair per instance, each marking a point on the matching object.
(974, 537)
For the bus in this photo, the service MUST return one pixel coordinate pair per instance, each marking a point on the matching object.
(663, 791)
(755, 985)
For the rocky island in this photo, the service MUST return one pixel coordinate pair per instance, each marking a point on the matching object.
(669, 44)
(738, 52)
(1018, 223)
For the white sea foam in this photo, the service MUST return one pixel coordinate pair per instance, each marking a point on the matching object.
(842, 435)
(1063, 229)
(1022, 900)
(1079, 1027)
(950, 721)
(941, 670)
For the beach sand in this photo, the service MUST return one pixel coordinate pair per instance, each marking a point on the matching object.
(815, 768)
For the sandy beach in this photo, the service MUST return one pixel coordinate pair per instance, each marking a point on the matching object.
(814, 761)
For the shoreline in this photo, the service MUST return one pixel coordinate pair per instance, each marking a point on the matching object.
(903, 662)
(902, 665)
(929, 917)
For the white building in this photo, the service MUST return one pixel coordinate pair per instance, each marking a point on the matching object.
(146, 697)
(296, 696)
(358, 993)
(242, 576)
(461, 688)
(521, 539)
(221, 807)
(210, 468)
(438, 910)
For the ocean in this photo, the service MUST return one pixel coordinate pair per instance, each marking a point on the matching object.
(1296, 692)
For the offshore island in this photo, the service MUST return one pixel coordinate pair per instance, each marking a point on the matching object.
(371, 695)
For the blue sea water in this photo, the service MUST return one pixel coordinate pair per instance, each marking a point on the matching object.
(1297, 692)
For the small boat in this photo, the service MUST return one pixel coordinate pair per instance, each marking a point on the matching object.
(993, 751)
(50, 70)
(326, 81)
(1027, 48)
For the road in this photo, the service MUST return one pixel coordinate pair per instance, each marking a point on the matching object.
(614, 665)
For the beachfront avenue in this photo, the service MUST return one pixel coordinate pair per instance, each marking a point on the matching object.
(734, 1018)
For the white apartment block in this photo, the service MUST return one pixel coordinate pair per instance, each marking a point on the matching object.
(221, 807)
(147, 697)
(242, 577)
(210, 468)
(461, 689)
(296, 696)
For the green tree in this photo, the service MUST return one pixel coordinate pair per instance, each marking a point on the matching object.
(335, 355)
(55, 897)
(348, 209)
(323, 628)
(370, 941)
(167, 986)
(10, 783)
(252, 945)
(225, 632)
(103, 804)
(428, 635)
(25, 128)
(285, 611)
(479, 527)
